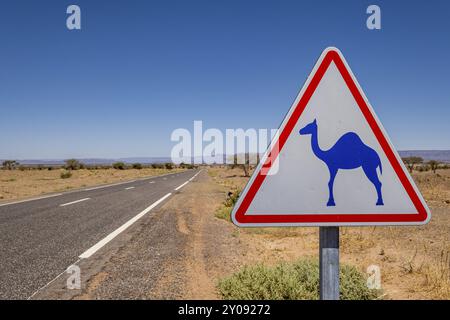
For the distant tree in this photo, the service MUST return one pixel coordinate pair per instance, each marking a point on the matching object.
(119, 165)
(10, 164)
(433, 165)
(186, 166)
(411, 162)
(169, 165)
(137, 166)
(244, 166)
(73, 164)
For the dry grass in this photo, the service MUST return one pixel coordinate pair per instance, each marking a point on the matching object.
(414, 261)
(437, 276)
(16, 184)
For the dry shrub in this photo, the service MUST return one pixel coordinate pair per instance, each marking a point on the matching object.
(291, 281)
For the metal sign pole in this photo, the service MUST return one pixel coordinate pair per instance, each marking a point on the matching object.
(329, 263)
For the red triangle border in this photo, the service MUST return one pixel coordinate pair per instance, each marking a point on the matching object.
(421, 216)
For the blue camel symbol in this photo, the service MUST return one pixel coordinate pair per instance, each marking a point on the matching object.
(349, 152)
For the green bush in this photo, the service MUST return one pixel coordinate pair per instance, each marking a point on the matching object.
(119, 165)
(232, 198)
(65, 174)
(158, 166)
(137, 166)
(291, 281)
(169, 166)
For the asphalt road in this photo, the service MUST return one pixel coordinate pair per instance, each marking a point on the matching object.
(41, 238)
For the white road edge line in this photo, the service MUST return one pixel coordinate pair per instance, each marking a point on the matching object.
(195, 175)
(179, 187)
(129, 188)
(73, 202)
(32, 199)
(89, 252)
(152, 182)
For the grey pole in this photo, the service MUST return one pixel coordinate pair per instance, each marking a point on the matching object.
(329, 263)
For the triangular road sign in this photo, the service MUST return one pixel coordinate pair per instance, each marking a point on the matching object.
(331, 163)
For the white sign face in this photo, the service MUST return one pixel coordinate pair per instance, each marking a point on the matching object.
(334, 162)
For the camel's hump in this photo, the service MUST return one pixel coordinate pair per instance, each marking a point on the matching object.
(349, 138)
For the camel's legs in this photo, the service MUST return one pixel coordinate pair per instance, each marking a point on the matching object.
(333, 172)
(371, 173)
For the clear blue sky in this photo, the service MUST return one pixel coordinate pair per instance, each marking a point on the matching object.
(139, 69)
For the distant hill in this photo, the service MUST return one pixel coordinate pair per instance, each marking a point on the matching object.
(438, 155)
(95, 161)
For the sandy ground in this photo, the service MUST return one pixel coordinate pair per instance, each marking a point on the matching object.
(182, 249)
(16, 184)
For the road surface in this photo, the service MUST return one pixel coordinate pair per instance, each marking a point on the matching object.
(40, 238)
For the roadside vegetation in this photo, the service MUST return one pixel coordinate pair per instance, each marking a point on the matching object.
(297, 280)
(224, 211)
(119, 165)
(65, 174)
(136, 166)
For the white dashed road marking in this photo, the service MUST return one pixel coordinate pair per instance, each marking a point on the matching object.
(73, 202)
